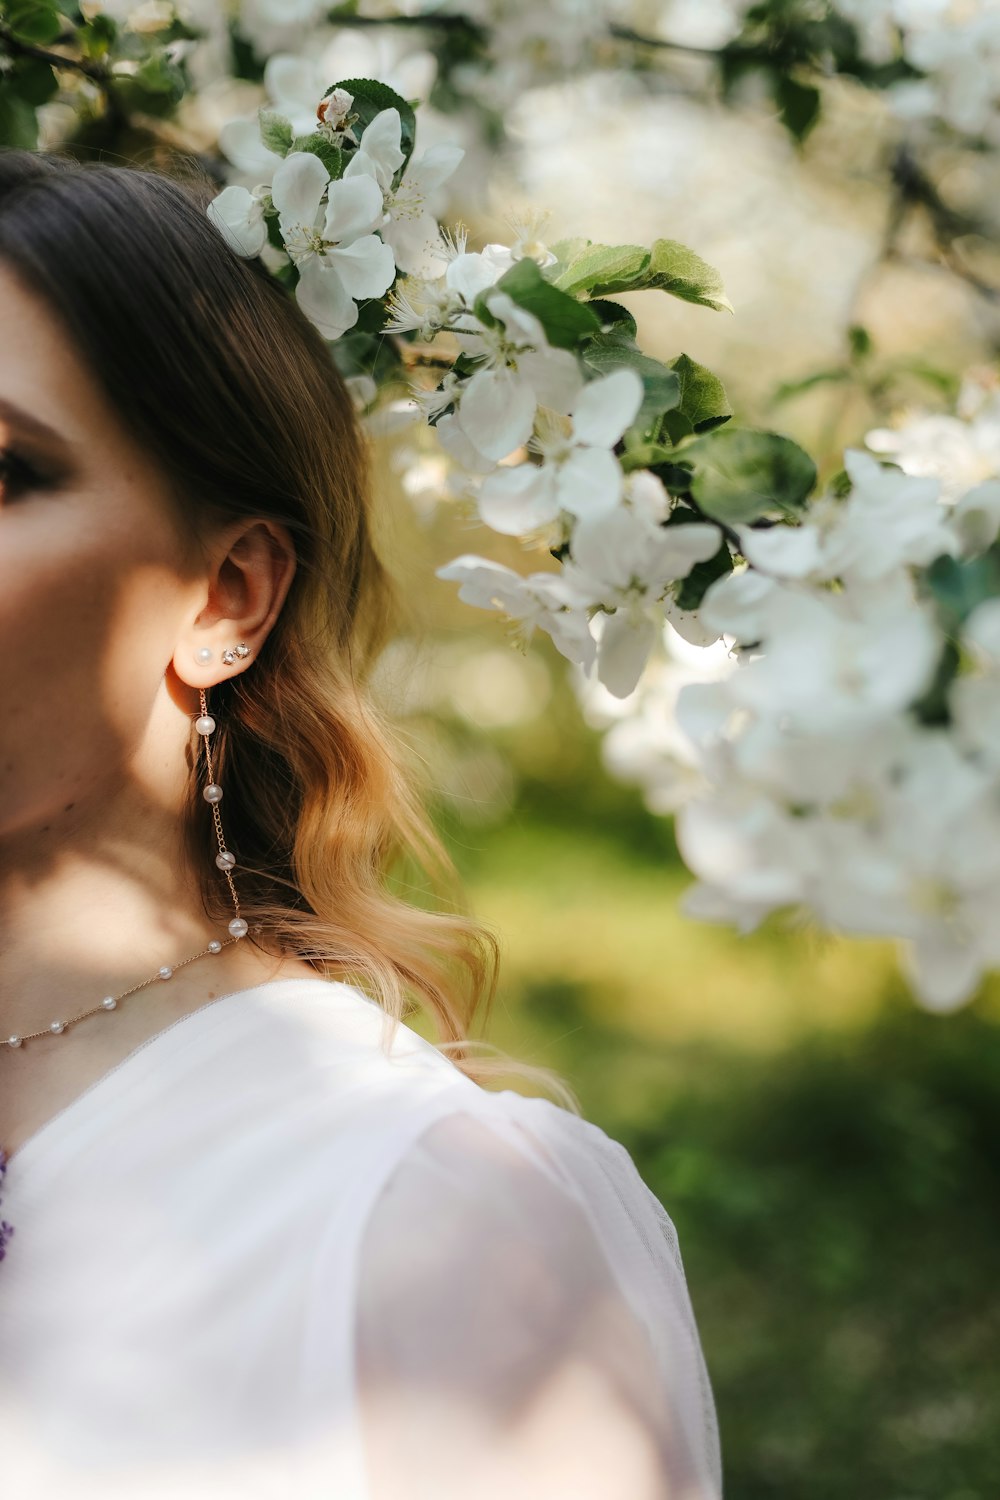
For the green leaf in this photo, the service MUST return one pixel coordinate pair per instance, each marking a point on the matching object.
(482, 312)
(675, 269)
(740, 476)
(607, 352)
(35, 21)
(644, 456)
(330, 155)
(97, 36)
(934, 707)
(565, 320)
(566, 250)
(33, 81)
(288, 274)
(244, 60)
(362, 353)
(860, 341)
(798, 105)
(614, 316)
(840, 484)
(790, 388)
(600, 269)
(676, 426)
(958, 587)
(274, 231)
(370, 98)
(693, 588)
(156, 84)
(18, 125)
(703, 396)
(275, 131)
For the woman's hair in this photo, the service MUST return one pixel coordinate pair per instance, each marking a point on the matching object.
(212, 367)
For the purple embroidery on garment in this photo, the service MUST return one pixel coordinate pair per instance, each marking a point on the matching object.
(6, 1230)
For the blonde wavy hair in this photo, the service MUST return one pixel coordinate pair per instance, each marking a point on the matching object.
(211, 365)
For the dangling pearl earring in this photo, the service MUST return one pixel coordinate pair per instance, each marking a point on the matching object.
(212, 793)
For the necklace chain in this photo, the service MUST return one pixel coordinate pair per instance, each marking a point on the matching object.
(238, 928)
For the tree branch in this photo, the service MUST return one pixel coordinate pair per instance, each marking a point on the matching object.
(15, 47)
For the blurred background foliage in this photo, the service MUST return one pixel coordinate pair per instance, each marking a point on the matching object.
(828, 1152)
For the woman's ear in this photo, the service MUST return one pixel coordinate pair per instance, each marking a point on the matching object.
(241, 593)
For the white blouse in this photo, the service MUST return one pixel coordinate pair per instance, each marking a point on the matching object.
(266, 1257)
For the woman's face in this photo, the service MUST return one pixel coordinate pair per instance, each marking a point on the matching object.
(94, 590)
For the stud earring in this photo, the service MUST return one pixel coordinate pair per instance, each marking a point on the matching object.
(232, 653)
(204, 655)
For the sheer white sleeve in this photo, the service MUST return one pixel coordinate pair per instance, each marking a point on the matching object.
(523, 1322)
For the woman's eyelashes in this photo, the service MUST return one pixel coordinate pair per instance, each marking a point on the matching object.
(16, 474)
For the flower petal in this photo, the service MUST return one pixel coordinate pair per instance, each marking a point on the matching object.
(454, 441)
(415, 243)
(434, 167)
(324, 300)
(380, 142)
(590, 482)
(606, 407)
(497, 412)
(353, 207)
(238, 216)
(239, 140)
(784, 551)
(623, 651)
(554, 376)
(679, 548)
(297, 187)
(292, 79)
(470, 274)
(488, 584)
(366, 267)
(517, 500)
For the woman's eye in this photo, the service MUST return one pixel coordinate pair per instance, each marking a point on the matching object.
(16, 474)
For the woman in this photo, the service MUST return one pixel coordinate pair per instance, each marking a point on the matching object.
(261, 1238)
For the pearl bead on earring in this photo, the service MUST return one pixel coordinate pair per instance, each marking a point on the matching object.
(204, 655)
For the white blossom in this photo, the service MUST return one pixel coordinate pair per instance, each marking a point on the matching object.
(336, 259)
(960, 450)
(625, 564)
(238, 214)
(888, 520)
(519, 371)
(579, 473)
(409, 227)
(541, 600)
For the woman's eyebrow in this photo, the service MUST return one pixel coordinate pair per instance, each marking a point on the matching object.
(33, 426)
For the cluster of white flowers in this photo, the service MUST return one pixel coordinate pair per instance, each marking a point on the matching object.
(955, 44)
(799, 771)
(537, 443)
(345, 237)
(961, 450)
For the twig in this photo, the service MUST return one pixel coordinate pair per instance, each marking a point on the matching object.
(663, 44)
(17, 48)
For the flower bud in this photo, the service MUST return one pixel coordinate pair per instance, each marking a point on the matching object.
(334, 109)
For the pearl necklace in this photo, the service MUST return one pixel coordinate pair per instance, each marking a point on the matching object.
(226, 862)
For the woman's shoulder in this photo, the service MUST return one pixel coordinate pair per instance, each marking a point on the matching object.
(535, 1255)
